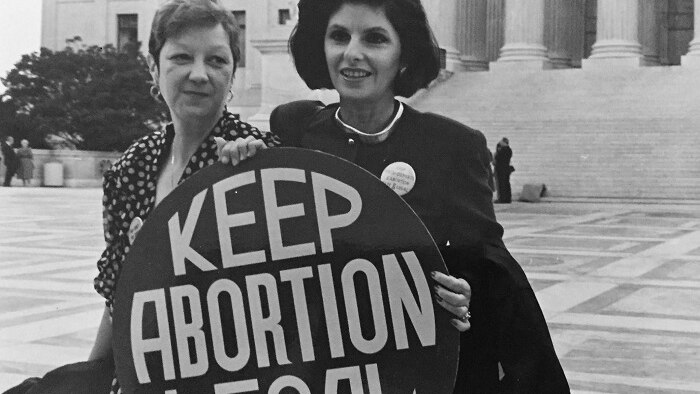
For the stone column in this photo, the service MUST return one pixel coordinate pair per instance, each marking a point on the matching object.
(524, 37)
(564, 22)
(472, 35)
(649, 31)
(102, 12)
(693, 57)
(49, 30)
(280, 81)
(443, 18)
(617, 42)
(494, 28)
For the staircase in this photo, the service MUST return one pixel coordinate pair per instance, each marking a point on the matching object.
(631, 133)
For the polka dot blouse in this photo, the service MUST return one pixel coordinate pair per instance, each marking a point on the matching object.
(130, 188)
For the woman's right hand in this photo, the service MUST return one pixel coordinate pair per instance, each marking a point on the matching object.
(237, 150)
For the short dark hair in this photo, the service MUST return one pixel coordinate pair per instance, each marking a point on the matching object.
(175, 16)
(420, 53)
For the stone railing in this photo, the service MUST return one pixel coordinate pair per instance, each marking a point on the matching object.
(80, 168)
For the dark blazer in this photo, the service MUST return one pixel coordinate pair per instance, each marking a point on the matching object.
(452, 197)
(10, 156)
(502, 158)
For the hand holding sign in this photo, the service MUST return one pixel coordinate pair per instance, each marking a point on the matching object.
(309, 277)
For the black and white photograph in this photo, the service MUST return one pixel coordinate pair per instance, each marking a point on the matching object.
(350, 196)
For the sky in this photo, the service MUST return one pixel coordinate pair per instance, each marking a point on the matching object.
(20, 32)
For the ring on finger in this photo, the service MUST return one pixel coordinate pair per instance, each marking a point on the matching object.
(466, 316)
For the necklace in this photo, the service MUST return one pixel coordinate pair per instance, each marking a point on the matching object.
(367, 138)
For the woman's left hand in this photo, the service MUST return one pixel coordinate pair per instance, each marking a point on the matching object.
(454, 295)
(238, 150)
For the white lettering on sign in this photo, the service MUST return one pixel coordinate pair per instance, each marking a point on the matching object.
(418, 307)
(354, 376)
(288, 381)
(400, 297)
(326, 222)
(395, 290)
(331, 386)
(242, 386)
(275, 213)
(260, 324)
(224, 221)
(296, 278)
(330, 309)
(185, 331)
(234, 294)
(372, 345)
(180, 238)
(161, 343)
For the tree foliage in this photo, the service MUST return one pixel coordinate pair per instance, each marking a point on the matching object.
(94, 98)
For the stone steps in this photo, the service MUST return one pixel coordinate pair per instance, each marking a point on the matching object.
(631, 133)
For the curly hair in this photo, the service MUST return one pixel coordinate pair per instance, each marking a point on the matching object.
(176, 16)
(420, 52)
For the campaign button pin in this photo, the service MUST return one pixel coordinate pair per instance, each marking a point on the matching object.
(134, 228)
(400, 177)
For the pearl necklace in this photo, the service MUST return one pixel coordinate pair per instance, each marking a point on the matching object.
(367, 138)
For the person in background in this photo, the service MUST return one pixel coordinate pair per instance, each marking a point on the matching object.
(371, 51)
(503, 170)
(10, 157)
(26, 163)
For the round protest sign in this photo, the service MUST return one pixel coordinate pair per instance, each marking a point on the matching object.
(294, 272)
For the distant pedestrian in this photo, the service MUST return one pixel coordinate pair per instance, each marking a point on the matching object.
(492, 183)
(503, 170)
(10, 157)
(26, 163)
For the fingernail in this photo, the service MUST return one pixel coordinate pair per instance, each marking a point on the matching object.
(433, 274)
(437, 297)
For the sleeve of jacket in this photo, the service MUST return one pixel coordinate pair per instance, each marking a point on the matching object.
(508, 326)
(113, 255)
(290, 121)
(471, 216)
(524, 346)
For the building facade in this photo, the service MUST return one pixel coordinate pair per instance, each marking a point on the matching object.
(598, 97)
(117, 22)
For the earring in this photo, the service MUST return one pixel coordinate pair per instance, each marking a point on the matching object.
(230, 95)
(155, 93)
(402, 71)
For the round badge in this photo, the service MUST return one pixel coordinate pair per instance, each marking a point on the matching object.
(400, 177)
(134, 228)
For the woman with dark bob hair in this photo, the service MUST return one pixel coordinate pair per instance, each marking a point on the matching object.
(421, 58)
(371, 51)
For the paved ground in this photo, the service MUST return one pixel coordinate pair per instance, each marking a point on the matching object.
(619, 283)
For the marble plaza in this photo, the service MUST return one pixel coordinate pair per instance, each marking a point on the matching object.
(619, 284)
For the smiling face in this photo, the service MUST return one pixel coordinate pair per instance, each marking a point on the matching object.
(363, 52)
(195, 73)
